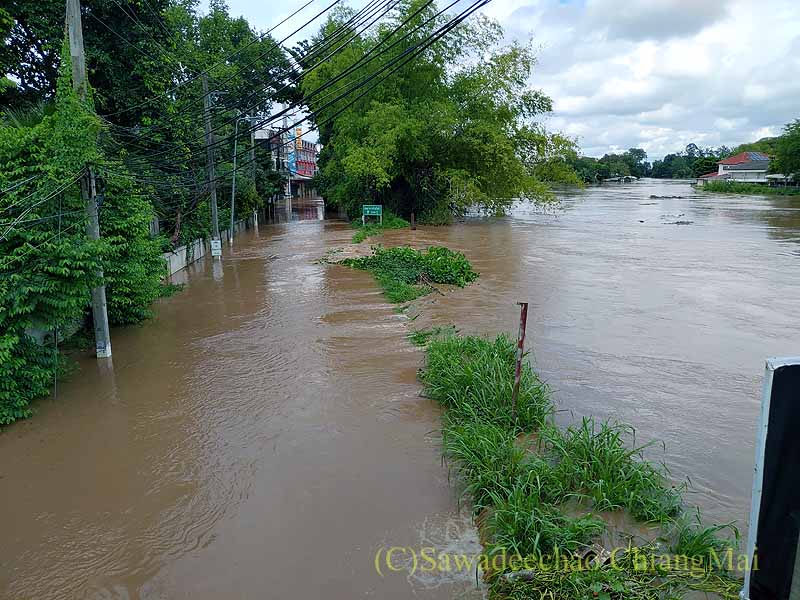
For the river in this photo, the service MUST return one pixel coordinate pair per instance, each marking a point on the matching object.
(263, 435)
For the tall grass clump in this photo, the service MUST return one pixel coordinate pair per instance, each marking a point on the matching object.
(485, 456)
(473, 378)
(697, 541)
(595, 461)
(523, 522)
(406, 274)
(521, 473)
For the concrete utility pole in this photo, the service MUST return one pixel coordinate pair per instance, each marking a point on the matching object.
(210, 157)
(233, 185)
(253, 150)
(102, 335)
(239, 119)
(285, 139)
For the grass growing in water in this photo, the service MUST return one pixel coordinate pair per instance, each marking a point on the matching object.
(595, 461)
(406, 274)
(520, 473)
(420, 337)
(735, 187)
(390, 221)
(693, 539)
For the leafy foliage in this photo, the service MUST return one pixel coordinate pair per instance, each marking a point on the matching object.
(787, 151)
(739, 187)
(390, 221)
(47, 269)
(520, 472)
(143, 61)
(406, 273)
(48, 265)
(444, 133)
(633, 162)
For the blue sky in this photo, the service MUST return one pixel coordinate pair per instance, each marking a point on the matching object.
(655, 74)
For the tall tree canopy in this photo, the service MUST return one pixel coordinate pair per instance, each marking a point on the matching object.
(787, 151)
(447, 131)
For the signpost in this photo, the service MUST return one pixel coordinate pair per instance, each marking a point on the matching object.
(774, 534)
(216, 248)
(371, 210)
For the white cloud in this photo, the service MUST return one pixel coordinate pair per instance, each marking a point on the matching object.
(659, 74)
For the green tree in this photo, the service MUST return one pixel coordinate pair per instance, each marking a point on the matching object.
(636, 159)
(787, 151)
(454, 128)
(703, 165)
(46, 264)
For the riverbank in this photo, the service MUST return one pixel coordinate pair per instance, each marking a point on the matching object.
(734, 187)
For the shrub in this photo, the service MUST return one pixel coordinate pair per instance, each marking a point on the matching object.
(406, 273)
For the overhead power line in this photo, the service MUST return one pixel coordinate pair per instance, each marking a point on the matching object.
(365, 59)
(222, 61)
(392, 67)
(322, 45)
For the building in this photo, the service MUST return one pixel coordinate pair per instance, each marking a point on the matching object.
(306, 158)
(293, 157)
(745, 167)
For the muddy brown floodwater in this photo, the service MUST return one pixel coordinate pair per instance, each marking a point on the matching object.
(263, 436)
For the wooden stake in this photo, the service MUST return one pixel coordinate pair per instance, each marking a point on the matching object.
(523, 323)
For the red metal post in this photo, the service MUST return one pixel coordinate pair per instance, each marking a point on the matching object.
(523, 323)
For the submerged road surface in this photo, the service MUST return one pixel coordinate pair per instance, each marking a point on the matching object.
(263, 436)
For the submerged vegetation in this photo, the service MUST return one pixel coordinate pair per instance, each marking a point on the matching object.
(366, 230)
(406, 274)
(521, 471)
(420, 337)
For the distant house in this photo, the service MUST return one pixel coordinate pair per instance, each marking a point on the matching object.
(746, 167)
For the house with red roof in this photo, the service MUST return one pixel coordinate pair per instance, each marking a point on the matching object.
(746, 167)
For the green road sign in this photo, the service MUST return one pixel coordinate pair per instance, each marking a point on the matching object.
(371, 210)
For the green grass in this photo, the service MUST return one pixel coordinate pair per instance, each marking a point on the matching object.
(390, 221)
(473, 378)
(420, 337)
(521, 473)
(734, 187)
(622, 581)
(596, 462)
(406, 274)
(486, 458)
(702, 542)
(523, 523)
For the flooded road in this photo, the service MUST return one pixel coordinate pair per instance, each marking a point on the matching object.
(263, 436)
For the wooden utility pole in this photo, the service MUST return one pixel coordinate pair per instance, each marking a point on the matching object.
(210, 158)
(102, 335)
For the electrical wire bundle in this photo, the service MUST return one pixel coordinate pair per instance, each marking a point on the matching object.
(173, 171)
